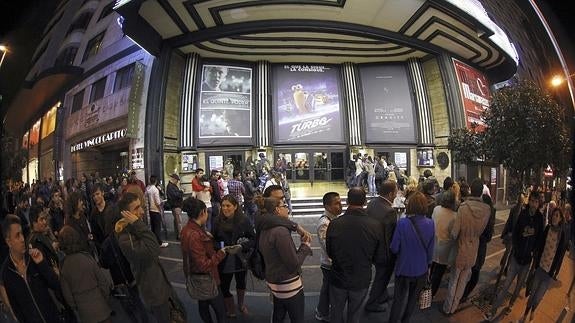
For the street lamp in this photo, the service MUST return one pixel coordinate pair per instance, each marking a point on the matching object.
(4, 50)
(558, 79)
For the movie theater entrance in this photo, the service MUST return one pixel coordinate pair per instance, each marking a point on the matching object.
(313, 165)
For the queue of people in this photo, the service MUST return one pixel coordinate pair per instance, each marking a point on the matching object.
(73, 269)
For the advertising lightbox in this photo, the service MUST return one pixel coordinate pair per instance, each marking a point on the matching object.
(388, 104)
(306, 104)
(475, 94)
(225, 105)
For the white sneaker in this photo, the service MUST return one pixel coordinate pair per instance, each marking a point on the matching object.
(163, 245)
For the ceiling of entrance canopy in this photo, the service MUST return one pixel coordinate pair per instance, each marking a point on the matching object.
(327, 31)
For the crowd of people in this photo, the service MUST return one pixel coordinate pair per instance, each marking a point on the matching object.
(69, 251)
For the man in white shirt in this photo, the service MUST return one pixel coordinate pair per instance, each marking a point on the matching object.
(155, 205)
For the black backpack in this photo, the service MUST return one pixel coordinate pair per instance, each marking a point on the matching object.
(256, 262)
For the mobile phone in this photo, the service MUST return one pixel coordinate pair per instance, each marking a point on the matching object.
(221, 245)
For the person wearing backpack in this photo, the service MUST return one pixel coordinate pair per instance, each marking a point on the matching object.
(283, 264)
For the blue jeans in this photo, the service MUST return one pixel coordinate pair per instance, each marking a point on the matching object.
(541, 283)
(515, 270)
(406, 294)
(371, 184)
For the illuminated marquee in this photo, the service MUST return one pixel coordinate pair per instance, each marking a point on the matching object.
(99, 140)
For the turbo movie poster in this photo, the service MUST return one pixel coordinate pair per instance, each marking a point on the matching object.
(475, 94)
(306, 104)
(225, 106)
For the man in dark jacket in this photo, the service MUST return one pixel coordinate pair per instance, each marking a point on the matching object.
(175, 198)
(141, 249)
(527, 232)
(351, 262)
(216, 197)
(380, 209)
(30, 299)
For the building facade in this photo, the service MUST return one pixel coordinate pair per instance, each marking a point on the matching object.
(83, 102)
(312, 83)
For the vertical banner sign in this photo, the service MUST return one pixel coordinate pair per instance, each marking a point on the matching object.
(306, 104)
(388, 105)
(134, 100)
(475, 94)
(225, 112)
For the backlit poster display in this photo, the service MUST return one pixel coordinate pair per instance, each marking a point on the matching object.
(388, 105)
(306, 106)
(475, 94)
(225, 105)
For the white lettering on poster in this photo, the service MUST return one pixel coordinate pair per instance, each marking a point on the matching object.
(474, 97)
(98, 140)
(309, 124)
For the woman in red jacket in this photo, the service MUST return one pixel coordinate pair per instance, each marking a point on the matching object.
(200, 256)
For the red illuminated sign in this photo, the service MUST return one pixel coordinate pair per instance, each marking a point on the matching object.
(475, 94)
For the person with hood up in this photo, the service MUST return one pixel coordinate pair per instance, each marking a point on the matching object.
(470, 222)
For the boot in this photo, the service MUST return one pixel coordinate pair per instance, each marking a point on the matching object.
(230, 306)
(241, 296)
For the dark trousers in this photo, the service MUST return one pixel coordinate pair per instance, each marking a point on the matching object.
(323, 304)
(216, 206)
(473, 280)
(133, 306)
(217, 304)
(339, 297)
(378, 293)
(226, 281)
(156, 224)
(406, 293)
(294, 307)
(161, 312)
(437, 272)
(250, 208)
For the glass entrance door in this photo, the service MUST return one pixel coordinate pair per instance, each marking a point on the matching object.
(227, 162)
(316, 165)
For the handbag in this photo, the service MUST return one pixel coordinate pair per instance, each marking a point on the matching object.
(201, 286)
(425, 294)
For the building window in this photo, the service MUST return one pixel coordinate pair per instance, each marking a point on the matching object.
(93, 47)
(78, 101)
(124, 77)
(108, 9)
(81, 23)
(66, 57)
(98, 90)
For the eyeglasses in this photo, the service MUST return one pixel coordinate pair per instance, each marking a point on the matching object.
(285, 205)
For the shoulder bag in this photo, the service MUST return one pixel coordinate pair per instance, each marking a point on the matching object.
(425, 295)
(200, 286)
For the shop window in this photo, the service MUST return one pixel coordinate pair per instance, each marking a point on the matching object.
(78, 101)
(108, 9)
(81, 23)
(93, 47)
(66, 57)
(124, 77)
(98, 89)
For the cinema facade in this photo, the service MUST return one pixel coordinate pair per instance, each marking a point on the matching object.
(316, 81)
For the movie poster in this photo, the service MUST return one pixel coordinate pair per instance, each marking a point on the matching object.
(388, 106)
(225, 105)
(475, 94)
(306, 104)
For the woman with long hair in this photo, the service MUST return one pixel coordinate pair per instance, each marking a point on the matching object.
(547, 262)
(85, 286)
(200, 256)
(232, 227)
